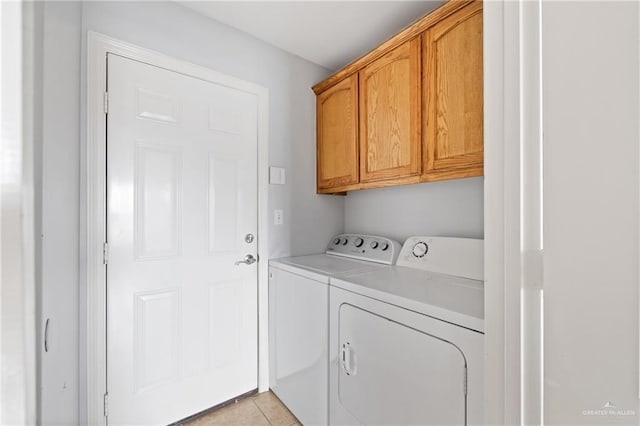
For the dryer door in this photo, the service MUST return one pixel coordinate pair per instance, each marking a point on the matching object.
(391, 373)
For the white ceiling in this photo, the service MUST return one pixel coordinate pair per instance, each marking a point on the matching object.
(328, 33)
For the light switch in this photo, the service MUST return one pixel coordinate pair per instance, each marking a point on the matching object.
(277, 176)
(277, 217)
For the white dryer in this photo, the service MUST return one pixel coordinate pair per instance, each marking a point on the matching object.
(406, 342)
(299, 318)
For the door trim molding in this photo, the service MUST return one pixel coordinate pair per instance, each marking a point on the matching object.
(512, 213)
(99, 46)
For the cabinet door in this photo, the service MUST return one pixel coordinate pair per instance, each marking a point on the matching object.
(453, 120)
(390, 115)
(337, 139)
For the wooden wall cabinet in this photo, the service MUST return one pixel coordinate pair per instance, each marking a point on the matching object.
(390, 115)
(411, 110)
(452, 96)
(337, 135)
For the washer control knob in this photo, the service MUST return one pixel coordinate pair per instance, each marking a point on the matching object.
(374, 245)
(336, 241)
(345, 241)
(384, 246)
(358, 242)
(420, 249)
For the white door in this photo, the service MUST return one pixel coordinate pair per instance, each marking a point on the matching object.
(181, 197)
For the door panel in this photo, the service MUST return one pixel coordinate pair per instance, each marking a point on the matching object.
(158, 203)
(393, 374)
(390, 115)
(225, 322)
(182, 193)
(453, 126)
(223, 203)
(156, 337)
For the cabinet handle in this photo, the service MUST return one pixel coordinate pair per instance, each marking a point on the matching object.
(46, 336)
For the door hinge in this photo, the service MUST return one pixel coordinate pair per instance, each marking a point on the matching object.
(106, 102)
(106, 404)
(105, 253)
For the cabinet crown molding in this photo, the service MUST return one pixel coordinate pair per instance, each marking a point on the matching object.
(411, 31)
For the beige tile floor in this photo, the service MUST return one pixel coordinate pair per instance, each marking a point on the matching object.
(260, 409)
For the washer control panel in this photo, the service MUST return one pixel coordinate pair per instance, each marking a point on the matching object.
(365, 247)
(461, 257)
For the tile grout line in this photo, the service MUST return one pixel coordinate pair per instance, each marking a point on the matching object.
(261, 412)
(282, 405)
(295, 419)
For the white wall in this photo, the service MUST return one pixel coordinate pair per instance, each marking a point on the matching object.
(60, 210)
(449, 208)
(169, 28)
(591, 140)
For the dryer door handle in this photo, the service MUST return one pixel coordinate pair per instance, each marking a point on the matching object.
(349, 359)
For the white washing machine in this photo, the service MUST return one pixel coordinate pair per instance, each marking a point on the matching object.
(299, 318)
(406, 342)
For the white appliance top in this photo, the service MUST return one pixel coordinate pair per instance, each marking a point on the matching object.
(346, 254)
(320, 267)
(435, 281)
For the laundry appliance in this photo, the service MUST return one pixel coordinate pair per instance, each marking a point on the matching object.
(299, 318)
(406, 342)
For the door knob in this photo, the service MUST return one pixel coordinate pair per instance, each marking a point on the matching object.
(248, 260)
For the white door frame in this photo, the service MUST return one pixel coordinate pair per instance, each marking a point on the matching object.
(512, 212)
(98, 47)
(501, 207)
